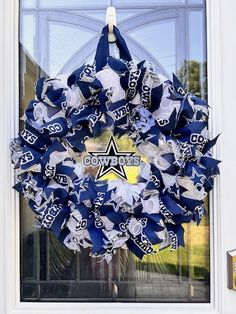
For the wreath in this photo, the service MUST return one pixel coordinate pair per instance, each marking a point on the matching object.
(166, 124)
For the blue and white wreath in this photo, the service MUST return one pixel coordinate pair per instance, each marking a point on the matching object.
(167, 125)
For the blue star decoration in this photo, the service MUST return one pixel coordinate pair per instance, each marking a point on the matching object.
(111, 150)
(197, 178)
(174, 189)
(30, 188)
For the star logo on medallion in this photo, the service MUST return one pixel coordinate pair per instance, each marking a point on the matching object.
(113, 160)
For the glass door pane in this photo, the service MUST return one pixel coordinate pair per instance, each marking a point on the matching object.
(57, 37)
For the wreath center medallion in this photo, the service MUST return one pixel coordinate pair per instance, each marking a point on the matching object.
(109, 158)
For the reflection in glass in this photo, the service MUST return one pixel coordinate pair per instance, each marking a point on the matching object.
(195, 1)
(70, 3)
(28, 33)
(176, 42)
(150, 2)
(148, 33)
(59, 53)
(29, 4)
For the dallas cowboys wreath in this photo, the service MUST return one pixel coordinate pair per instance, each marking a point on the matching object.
(166, 125)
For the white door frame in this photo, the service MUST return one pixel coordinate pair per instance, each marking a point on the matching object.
(221, 47)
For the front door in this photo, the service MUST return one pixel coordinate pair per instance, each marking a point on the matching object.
(56, 37)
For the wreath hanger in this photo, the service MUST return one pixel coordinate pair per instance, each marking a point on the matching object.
(111, 22)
